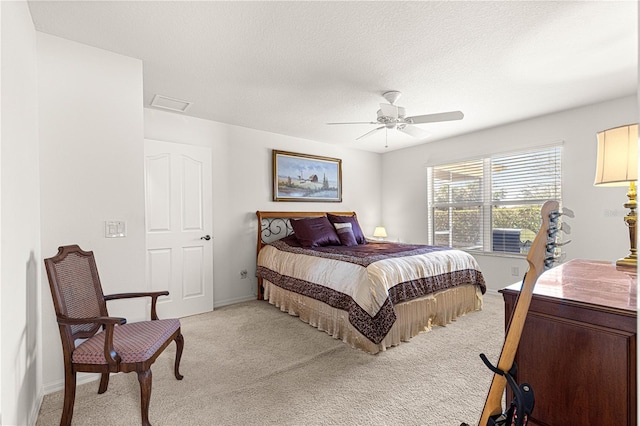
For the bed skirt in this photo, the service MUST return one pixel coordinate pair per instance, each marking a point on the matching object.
(413, 317)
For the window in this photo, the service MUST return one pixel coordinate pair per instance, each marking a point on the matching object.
(492, 204)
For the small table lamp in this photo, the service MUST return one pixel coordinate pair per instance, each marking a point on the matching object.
(380, 233)
(617, 165)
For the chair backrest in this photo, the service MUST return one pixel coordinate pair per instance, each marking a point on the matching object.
(76, 290)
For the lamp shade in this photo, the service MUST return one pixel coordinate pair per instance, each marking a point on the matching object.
(380, 232)
(617, 162)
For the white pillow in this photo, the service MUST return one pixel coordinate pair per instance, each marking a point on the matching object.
(342, 225)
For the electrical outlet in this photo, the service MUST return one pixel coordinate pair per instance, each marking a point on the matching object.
(243, 274)
(515, 271)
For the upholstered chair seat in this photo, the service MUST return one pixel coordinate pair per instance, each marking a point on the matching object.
(134, 342)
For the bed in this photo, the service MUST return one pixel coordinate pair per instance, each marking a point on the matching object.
(371, 295)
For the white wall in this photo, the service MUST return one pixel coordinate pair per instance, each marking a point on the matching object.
(242, 185)
(598, 231)
(91, 150)
(20, 366)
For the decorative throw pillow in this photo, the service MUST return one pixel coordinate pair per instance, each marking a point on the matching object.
(355, 227)
(315, 232)
(345, 233)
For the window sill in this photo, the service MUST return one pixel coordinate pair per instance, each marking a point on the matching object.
(496, 254)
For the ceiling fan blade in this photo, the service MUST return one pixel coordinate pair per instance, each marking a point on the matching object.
(389, 110)
(414, 131)
(357, 122)
(370, 132)
(432, 118)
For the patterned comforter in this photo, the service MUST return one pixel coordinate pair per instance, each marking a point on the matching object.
(367, 280)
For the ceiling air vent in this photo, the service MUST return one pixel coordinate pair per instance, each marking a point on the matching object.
(164, 102)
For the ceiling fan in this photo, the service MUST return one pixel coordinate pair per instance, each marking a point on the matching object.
(391, 116)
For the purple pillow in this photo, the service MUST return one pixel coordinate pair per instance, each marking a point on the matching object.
(345, 233)
(315, 232)
(355, 227)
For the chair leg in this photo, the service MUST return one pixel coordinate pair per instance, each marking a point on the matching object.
(144, 377)
(69, 395)
(179, 346)
(104, 383)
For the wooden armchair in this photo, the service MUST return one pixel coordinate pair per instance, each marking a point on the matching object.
(112, 345)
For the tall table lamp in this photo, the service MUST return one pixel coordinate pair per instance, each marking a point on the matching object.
(617, 165)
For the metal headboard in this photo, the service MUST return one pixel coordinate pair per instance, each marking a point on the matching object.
(273, 226)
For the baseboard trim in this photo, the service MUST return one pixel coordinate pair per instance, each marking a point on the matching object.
(81, 379)
(225, 302)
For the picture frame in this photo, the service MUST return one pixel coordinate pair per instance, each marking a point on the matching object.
(304, 177)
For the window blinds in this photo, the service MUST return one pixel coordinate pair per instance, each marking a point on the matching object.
(470, 202)
(530, 176)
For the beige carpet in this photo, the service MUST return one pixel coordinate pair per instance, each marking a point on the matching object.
(250, 364)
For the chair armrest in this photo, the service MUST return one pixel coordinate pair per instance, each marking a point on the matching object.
(152, 294)
(108, 323)
(139, 294)
(93, 320)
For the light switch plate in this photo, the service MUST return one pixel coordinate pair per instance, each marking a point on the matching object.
(115, 229)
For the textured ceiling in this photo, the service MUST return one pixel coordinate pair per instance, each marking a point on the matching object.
(291, 67)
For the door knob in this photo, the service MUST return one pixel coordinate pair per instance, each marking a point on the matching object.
(206, 237)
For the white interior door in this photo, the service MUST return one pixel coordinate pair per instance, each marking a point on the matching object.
(178, 213)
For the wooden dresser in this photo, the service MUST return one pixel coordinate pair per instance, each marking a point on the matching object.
(578, 346)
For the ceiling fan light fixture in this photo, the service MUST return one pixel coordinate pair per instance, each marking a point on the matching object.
(388, 111)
